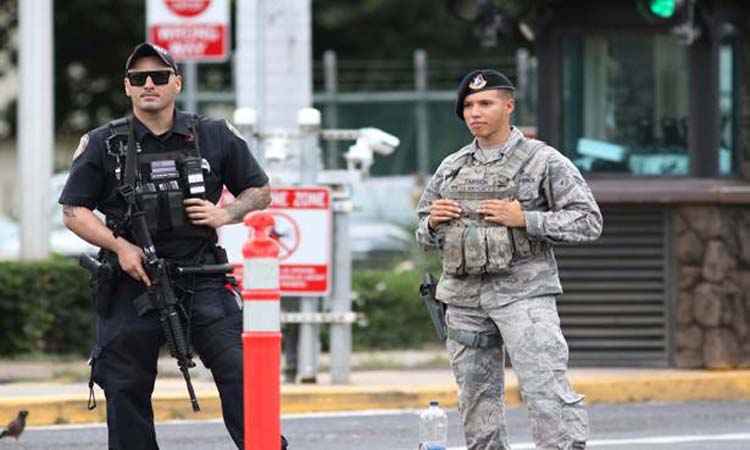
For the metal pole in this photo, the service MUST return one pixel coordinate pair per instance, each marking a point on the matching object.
(260, 63)
(522, 85)
(341, 333)
(423, 125)
(35, 125)
(309, 333)
(190, 77)
(332, 114)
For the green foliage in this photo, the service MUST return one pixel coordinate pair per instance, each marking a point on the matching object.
(389, 298)
(45, 308)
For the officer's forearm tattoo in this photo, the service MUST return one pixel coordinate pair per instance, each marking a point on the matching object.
(69, 210)
(250, 199)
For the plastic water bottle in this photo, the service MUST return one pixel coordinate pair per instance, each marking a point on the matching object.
(433, 428)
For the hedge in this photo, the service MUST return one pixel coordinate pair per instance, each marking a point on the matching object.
(395, 315)
(45, 308)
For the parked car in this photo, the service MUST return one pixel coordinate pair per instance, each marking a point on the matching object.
(383, 220)
(62, 241)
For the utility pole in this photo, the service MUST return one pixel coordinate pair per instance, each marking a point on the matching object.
(35, 125)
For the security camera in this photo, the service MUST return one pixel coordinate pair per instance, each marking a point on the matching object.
(276, 150)
(379, 141)
(359, 157)
(245, 117)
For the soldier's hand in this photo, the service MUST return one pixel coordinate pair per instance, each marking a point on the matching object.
(131, 260)
(443, 210)
(503, 212)
(204, 212)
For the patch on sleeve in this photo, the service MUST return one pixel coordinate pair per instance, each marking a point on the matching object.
(234, 130)
(82, 145)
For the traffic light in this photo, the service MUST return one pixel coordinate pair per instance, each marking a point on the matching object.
(494, 18)
(662, 11)
(680, 15)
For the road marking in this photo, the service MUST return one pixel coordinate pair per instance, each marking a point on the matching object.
(646, 440)
(317, 415)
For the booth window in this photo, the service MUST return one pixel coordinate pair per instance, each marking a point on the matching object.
(727, 107)
(625, 104)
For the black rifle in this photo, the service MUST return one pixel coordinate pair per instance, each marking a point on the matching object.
(162, 299)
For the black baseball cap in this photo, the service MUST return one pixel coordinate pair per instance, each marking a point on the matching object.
(477, 81)
(149, 49)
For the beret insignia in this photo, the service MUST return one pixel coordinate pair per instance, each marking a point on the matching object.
(478, 82)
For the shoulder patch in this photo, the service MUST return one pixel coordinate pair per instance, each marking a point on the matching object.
(82, 145)
(234, 130)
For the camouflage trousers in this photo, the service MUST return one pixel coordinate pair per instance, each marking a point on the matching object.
(531, 334)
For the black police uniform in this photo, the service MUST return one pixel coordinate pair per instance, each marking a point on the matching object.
(127, 347)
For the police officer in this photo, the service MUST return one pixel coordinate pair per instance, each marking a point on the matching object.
(182, 161)
(495, 208)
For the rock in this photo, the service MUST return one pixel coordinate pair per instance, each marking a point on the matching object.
(704, 220)
(679, 224)
(690, 338)
(688, 276)
(684, 308)
(743, 236)
(717, 261)
(739, 317)
(732, 222)
(721, 349)
(745, 358)
(690, 248)
(744, 280)
(689, 359)
(707, 305)
(730, 292)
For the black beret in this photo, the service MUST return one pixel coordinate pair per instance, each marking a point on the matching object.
(149, 49)
(477, 81)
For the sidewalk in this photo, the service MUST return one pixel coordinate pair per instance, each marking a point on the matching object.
(56, 393)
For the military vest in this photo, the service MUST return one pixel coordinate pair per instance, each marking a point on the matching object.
(162, 181)
(473, 245)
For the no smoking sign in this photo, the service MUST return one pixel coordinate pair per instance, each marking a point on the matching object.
(303, 228)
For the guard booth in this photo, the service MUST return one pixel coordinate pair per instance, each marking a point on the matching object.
(653, 106)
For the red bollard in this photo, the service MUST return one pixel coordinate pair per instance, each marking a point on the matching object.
(261, 336)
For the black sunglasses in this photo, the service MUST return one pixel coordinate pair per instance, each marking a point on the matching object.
(159, 77)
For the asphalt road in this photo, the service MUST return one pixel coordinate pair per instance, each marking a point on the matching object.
(658, 426)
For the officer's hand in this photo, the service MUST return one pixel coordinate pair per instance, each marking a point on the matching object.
(503, 212)
(203, 212)
(131, 260)
(443, 210)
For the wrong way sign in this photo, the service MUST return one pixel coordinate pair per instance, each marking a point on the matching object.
(303, 227)
(192, 30)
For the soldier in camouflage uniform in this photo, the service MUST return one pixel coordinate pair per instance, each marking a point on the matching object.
(495, 208)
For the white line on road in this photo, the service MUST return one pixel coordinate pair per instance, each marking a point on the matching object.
(317, 415)
(647, 440)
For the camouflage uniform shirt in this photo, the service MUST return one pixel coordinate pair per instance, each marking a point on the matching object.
(558, 206)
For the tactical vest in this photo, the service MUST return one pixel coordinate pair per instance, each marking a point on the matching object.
(162, 180)
(472, 244)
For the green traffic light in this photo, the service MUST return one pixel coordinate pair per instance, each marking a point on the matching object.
(662, 8)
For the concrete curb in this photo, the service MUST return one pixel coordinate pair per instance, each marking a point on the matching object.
(674, 386)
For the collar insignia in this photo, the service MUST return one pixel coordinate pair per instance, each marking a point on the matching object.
(478, 82)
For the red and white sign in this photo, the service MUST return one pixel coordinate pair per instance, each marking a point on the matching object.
(192, 30)
(304, 228)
